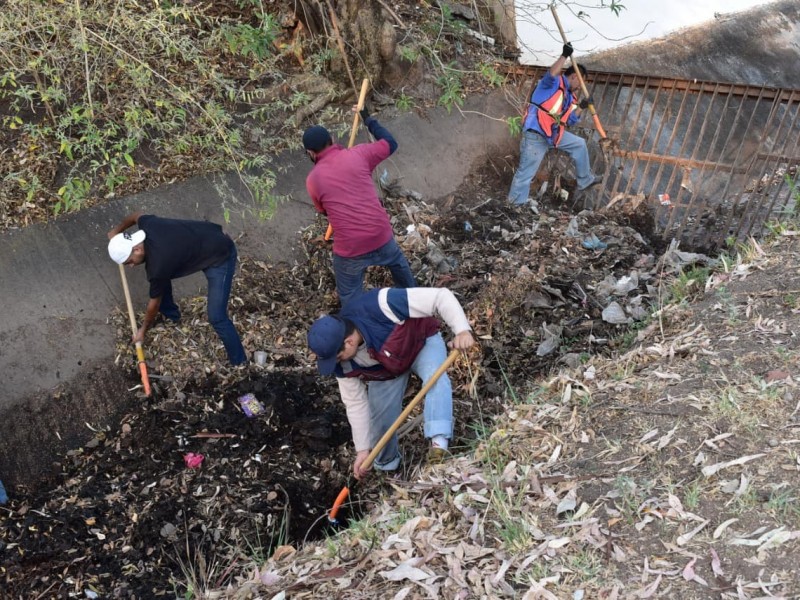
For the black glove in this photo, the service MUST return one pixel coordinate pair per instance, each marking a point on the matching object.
(364, 113)
(584, 104)
(566, 51)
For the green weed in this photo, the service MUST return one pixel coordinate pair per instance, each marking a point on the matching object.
(689, 284)
(404, 103)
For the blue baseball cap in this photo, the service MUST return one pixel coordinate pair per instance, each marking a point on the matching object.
(316, 138)
(325, 338)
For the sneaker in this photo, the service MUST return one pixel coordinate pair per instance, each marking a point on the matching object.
(437, 456)
(598, 179)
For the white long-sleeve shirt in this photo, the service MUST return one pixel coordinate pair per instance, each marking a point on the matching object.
(422, 302)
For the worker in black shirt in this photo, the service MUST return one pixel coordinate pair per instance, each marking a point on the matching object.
(173, 248)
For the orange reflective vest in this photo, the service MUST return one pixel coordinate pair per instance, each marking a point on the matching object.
(554, 105)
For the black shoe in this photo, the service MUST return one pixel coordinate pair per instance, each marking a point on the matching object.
(598, 179)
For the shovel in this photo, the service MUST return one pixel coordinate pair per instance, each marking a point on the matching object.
(337, 504)
(361, 99)
(139, 349)
(592, 110)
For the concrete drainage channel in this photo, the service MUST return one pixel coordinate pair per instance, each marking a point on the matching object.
(58, 356)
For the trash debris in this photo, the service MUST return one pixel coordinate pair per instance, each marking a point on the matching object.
(551, 341)
(3, 495)
(613, 313)
(250, 405)
(572, 228)
(439, 260)
(664, 200)
(592, 242)
(193, 460)
(260, 357)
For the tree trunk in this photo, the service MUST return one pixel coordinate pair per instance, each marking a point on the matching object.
(368, 36)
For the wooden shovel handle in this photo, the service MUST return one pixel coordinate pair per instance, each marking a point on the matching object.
(134, 329)
(585, 90)
(451, 358)
(361, 99)
(345, 492)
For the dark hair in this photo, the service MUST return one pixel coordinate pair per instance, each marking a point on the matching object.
(571, 70)
(349, 327)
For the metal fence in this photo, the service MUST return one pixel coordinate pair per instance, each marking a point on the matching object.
(711, 161)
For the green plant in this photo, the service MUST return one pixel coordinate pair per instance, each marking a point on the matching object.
(689, 284)
(512, 520)
(727, 301)
(782, 504)
(629, 496)
(514, 125)
(408, 53)
(321, 59)
(72, 195)
(692, 496)
(86, 101)
(791, 300)
(452, 92)
(404, 103)
(490, 74)
(245, 40)
(793, 191)
(586, 564)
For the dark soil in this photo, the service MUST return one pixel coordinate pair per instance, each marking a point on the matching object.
(125, 517)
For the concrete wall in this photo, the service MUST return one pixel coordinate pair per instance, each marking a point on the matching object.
(758, 47)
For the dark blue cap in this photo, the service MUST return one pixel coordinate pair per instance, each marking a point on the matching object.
(325, 338)
(316, 138)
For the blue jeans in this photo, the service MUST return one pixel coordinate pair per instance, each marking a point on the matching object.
(386, 402)
(532, 149)
(349, 272)
(220, 279)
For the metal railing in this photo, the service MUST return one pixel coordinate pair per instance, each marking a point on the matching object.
(712, 161)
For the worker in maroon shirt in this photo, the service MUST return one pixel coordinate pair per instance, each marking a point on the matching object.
(340, 184)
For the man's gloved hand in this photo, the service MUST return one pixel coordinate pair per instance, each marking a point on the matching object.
(584, 104)
(364, 113)
(566, 51)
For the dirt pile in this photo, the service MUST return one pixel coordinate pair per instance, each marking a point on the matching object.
(128, 514)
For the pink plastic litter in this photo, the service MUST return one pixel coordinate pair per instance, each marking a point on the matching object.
(193, 460)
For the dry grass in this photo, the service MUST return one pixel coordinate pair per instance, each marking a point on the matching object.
(670, 471)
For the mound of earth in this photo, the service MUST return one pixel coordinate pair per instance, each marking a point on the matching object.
(127, 513)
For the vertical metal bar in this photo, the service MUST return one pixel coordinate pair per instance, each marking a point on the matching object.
(711, 156)
(708, 116)
(626, 121)
(662, 121)
(597, 104)
(688, 135)
(659, 209)
(615, 99)
(766, 170)
(760, 170)
(635, 126)
(790, 134)
(736, 159)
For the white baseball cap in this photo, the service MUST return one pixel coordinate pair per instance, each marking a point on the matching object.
(121, 245)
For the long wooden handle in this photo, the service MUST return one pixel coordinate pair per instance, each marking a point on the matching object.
(361, 99)
(407, 411)
(134, 329)
(585, 90)
(345, 492)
